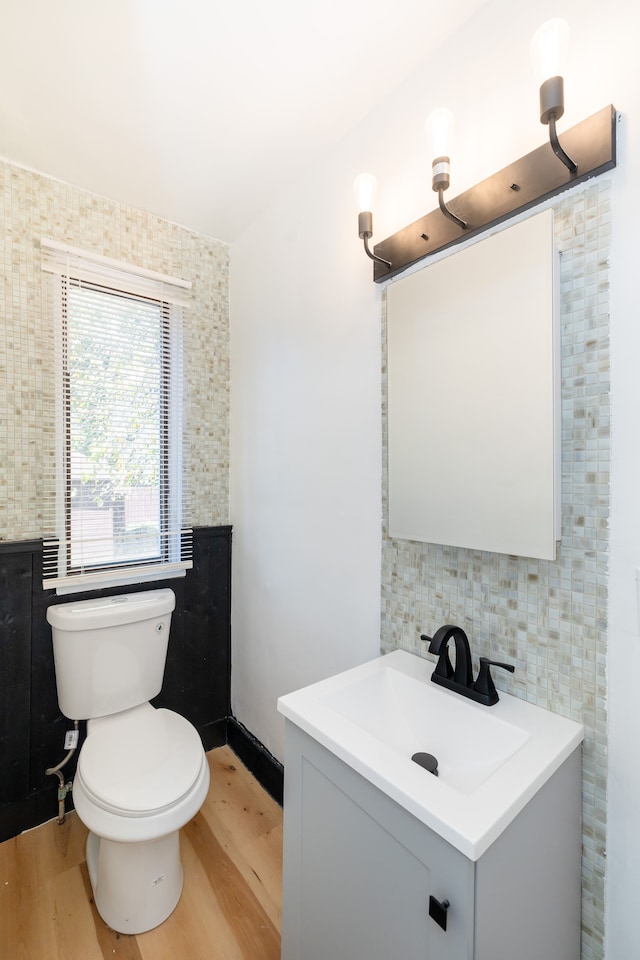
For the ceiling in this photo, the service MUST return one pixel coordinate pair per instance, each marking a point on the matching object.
(197, 110)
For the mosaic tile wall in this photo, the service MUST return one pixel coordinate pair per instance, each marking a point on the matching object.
(32, 206)
(547, 618)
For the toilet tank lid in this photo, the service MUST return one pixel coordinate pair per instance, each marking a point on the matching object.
(111, 611)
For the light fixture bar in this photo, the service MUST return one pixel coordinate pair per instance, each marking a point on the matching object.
(523, 184)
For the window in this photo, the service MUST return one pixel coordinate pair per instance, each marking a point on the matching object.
(119, 513)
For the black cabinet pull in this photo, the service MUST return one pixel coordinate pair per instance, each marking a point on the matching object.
(438, 911)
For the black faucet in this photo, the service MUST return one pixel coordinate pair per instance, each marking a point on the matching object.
(460, 678)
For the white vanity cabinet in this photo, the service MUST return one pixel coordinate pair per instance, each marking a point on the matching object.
(359, 871)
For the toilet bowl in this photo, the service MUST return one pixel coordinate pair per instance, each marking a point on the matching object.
(141, 776)
(142, 773)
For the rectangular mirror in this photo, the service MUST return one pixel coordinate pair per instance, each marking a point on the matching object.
(474, 396)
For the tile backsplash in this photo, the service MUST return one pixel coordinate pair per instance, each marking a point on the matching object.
(547, 618)
(32, 206)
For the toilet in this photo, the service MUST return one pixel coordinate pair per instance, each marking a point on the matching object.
(142, 773)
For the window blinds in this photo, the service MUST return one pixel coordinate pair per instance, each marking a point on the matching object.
(120, 512)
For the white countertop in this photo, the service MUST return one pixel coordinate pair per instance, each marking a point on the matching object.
(493, 759)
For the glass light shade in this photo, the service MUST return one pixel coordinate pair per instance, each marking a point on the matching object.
(364, 190)
(549, 48)
(439, 132)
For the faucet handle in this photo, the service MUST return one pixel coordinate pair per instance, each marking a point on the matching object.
(484, 684)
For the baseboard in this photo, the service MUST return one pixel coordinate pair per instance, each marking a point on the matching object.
(213, 734)
(268, 771)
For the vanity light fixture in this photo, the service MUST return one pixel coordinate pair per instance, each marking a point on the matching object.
(548, 49)
(589, 150)
(364, 188)
(439, 135)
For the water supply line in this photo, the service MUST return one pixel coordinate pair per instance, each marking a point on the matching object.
(64, 788)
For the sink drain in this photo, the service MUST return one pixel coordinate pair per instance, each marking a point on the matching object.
(428, 761)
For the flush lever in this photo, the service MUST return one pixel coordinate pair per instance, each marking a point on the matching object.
(438, 911)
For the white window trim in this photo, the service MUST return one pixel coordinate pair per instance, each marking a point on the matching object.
(62, 260)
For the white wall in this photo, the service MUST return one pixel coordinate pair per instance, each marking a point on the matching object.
(305, 355)
(306, 454)
(623, 850)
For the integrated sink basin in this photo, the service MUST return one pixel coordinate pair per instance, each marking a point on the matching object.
(491, 760)
(469, 744)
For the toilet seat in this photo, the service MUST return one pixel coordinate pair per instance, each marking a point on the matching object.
(139, 762)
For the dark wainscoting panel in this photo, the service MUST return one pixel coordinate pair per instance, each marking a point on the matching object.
(16, 575)
(196, 684)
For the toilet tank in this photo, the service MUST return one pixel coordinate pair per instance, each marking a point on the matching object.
(110, 653)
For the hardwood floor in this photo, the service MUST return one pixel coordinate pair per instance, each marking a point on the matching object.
(231, 902)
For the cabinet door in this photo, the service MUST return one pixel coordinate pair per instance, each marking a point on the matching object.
(362, 893)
